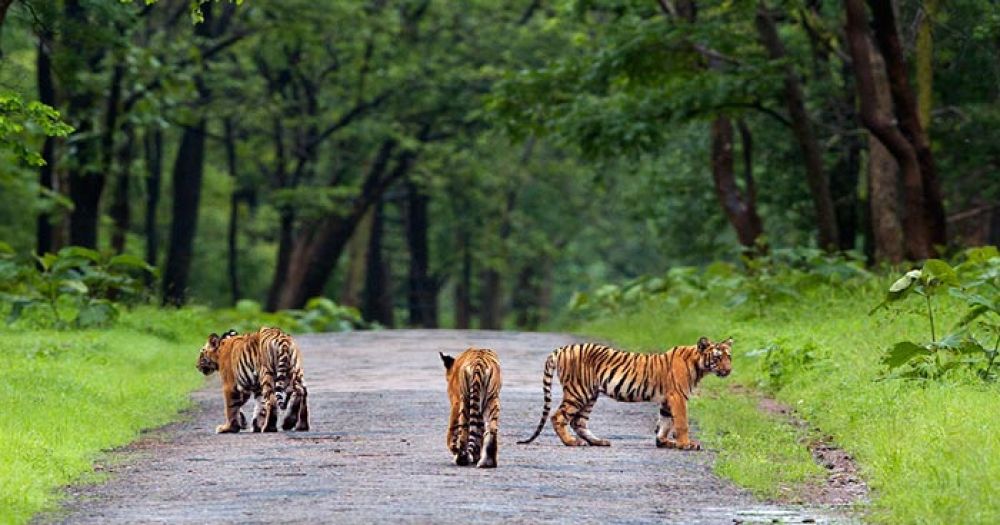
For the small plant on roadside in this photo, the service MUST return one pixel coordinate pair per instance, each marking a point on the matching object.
(76, 287)
(976, 281)
(781, 362)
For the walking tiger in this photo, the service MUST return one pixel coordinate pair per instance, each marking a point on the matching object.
(474, 391)
(588, 370)
(266, 364)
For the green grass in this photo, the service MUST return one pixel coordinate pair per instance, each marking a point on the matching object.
(67, 396)
(931, 452)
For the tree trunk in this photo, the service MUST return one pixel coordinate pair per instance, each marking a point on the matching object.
(377, 304)
(108, 156)
(525, 296)
(819, 185)
(232, 234)
(925, 62)
(357, 262)
(121, 213)
(317, 248)
(153, 143)
(86, 180)
(881, 125)
(490, 300)
(740, 209)
(884, 26)
(44, 239)
(463, 288)
(491, 307)
(883, 178)
(423, 287)
(187, 177)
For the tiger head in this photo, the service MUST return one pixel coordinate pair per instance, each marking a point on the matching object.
(208, 358)
(716, 357)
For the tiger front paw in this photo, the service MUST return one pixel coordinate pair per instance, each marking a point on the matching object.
(463, 459)
(227, 428)
(685, 445)
(691, 445)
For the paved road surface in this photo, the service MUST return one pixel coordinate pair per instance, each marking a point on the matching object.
(377, 453)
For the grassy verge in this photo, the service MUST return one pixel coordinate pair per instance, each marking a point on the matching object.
(931, 452)
(70, 395)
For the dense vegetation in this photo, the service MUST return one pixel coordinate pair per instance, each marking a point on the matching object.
(918, 417)
(766, 170)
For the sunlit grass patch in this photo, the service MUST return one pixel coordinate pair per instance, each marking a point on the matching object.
(930, 451)
(70, 395)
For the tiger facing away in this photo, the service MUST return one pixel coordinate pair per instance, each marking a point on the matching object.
(266, 364)
(588, 370)
(474, 381)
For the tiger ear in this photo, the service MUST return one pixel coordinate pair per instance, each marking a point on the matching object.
(447, 359)
(703, 344)
(728, 341)
(213, 340)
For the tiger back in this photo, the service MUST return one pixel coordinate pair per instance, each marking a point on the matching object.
(588, 370)
(474, 381)
(265, 364)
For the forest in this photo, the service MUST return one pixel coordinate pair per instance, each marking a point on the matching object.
(593, 166)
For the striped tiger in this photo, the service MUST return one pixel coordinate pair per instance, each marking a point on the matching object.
(589, 370)
(474, 391)
(266, 364)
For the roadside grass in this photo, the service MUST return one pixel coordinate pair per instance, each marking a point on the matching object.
(70, 395)
(929, 450)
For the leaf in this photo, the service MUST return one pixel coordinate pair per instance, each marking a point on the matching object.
(940, 270)
(72, 286)
(904, 283)
(5, 249)
(16, 307)
(125, 260)
(903, 352)
(972, 315)
(79, 251)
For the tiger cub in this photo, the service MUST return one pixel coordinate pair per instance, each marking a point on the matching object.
(474, 391)
(266, 364)
(589, 370)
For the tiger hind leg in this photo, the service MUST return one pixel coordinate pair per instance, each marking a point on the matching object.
(665, 427)
(566, 413)
(303, 424)
(267, 417)
(490, 444)
(298, 412)
(579, 424)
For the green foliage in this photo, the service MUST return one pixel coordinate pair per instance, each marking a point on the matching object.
(76, 287)
(920, 446)
(782, 362)
(319, 315)
(976, 282)
(22, 121)
(762, 281)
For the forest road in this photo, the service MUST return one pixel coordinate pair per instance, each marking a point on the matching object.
(376, 452)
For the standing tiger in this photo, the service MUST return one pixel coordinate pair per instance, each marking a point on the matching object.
(588, 370)
(266, 364)
(474, 391)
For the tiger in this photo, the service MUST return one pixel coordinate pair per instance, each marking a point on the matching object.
(588, 370)
(474, 381)
(266, 364)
